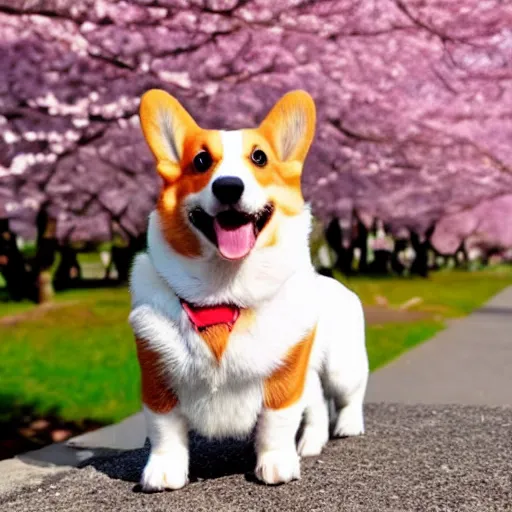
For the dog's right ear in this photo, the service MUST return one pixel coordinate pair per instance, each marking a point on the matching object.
(165, 123)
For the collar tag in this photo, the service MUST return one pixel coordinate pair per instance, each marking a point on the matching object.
(206, 316)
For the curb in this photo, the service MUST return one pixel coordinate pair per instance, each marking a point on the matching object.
(31, 468)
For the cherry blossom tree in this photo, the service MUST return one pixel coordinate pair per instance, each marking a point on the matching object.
(414, 103)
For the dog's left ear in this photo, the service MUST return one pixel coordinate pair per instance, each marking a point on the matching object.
(290, 126)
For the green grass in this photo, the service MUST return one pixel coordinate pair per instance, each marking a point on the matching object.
(78, 358)
(449, 293)
(12, 308)
(387, 341)
(445, 295)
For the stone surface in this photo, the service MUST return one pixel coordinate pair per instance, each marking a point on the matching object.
(428, 458)
(31, 468)
(17, 474)
(414, 100)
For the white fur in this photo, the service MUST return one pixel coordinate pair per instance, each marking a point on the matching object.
(247, 283)
(167, 466)
(292, 131)
(288, 299)
(234, 163)
(277, 458)
(316, 415)
(168, 128)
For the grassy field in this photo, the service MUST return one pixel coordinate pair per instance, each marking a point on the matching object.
(445, 295)
(77, 358)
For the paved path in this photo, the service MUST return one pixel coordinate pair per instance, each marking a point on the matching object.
(413, 458)
(468, 363)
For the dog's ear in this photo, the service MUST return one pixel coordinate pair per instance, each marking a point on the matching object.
(165, 124)
(290, 126)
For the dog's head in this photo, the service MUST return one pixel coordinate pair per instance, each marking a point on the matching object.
(226, 190)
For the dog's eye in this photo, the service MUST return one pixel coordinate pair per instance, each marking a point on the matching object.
(259, 157)
(202, 161)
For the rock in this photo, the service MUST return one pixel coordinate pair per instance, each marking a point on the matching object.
(40, 424)
(412, 302)
(380, 300)
(61, 435)
(27, 432)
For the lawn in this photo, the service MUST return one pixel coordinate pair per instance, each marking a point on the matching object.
(77, 359)
(445, 295)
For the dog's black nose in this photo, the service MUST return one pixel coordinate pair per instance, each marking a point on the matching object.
(228, 189)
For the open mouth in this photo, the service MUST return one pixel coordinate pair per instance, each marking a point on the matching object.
(234, 233)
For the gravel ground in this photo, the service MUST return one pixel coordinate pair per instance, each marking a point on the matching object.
(413, 458)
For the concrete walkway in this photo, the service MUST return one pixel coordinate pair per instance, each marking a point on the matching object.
(413, 458)
(468, 363)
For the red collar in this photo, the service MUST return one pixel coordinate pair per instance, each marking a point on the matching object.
(206, 316)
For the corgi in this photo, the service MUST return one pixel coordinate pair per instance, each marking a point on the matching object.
(235, 332)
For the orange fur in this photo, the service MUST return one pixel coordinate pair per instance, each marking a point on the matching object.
(281, 176)
(269, 236)
(175, 227)
(156, 393)
(180, 179)
(295, 108)
(163, 119)
(160, 114)
(217, 336)
(286, 385)
(280, 179)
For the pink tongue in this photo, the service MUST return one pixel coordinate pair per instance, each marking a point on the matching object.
(235, 243)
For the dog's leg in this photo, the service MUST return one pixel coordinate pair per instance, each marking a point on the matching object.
(277, 458)
(283, 405)
(316, 425)
(345, 380)
(346, 385)
(349, 412)
(167, 466)
(345, 368)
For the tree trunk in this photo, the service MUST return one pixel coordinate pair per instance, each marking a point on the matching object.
(344, 255)
(122, 257)
(396, 265)
(360, 241)
(68, 272)
(45, 256)
(419, 266)
(461, 256)
(381, 262)
(12, 266)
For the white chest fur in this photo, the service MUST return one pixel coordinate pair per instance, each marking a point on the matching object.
(229, 411)
(220, 397)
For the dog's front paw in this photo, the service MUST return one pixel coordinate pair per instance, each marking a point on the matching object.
(278, 466)
(164, 472)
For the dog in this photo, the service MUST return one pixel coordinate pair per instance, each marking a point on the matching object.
(235, 331)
